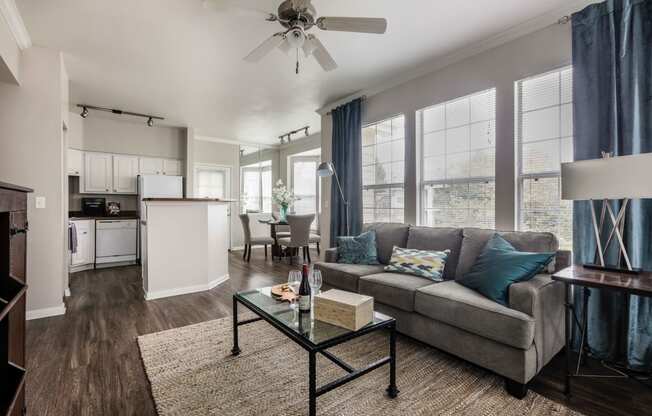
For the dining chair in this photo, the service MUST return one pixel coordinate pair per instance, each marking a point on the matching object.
(299, 235)
(282, 231)
(252, 239)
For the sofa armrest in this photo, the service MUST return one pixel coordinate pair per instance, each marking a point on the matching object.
(330, 255)
(563, 259)
(543, 299)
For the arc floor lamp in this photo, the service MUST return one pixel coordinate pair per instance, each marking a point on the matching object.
(327, 169)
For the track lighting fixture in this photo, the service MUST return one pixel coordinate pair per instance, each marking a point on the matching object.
(289, 135)
(86, 107)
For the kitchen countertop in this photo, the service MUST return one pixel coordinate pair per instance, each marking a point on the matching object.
(187, 200)
(124, 215)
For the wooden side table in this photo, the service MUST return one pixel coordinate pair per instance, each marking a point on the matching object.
(628, 284)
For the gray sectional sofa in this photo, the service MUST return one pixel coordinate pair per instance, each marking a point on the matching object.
(515, 342)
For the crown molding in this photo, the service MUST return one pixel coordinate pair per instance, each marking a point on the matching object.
(10, 13)
(530, 26)
(234, 142)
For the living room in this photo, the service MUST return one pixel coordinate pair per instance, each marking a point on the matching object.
(408, 210)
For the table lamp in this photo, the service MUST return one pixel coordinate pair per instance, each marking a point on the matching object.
(610, 178)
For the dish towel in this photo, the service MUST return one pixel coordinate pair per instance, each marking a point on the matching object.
(72, 237)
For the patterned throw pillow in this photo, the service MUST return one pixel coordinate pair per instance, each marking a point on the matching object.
(357, 250)
(422, 263)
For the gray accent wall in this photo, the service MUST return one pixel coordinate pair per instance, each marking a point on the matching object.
(499, 68)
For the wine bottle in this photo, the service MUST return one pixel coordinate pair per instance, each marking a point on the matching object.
(304, 291)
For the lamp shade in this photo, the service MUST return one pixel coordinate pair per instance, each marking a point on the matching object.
(609, 178)
(325, 169)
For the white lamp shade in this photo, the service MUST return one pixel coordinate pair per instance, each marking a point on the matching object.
(609, 178)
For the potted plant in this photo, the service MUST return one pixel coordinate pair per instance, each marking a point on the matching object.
(283, 198)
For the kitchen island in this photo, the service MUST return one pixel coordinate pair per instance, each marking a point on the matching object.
(184, 245)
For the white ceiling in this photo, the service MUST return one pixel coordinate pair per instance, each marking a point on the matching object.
(182, 61)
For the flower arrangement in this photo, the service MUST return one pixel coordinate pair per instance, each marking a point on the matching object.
(282, 195)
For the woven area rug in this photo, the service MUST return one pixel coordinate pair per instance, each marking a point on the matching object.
(192, 372)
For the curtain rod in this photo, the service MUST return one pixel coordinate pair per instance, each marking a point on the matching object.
(362, 97)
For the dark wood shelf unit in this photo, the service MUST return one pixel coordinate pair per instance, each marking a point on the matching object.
(13, 384)
(13, 289)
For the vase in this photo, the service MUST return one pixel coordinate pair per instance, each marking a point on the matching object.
(284, 213)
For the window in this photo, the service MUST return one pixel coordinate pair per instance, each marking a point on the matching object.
(383, 171)
(212, 181)
(257, 187)
(544, 129)
(457, 162)
(305, 183)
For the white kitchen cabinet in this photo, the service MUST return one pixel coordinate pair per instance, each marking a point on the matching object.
(98, 173)
(172, 167)
(151, 166)
(85, 253)
(75, 162)
(125, 173)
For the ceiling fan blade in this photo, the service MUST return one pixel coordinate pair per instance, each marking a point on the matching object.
(321, 54)
(238, 7)
(353, 24)
(265, 48)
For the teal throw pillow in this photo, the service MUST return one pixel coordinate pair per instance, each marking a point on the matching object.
(357, 250)
(422, 263)
(499, 265)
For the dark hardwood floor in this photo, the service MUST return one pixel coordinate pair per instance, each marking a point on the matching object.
(87, 362)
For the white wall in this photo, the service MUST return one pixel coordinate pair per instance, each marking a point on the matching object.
(32, 155)
(9, 55)
(102, 133)
(498, 68)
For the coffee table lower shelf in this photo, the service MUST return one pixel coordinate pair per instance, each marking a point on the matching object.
(321, 348)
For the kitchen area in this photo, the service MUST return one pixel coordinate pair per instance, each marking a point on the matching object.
(122, 174)
(105, 200)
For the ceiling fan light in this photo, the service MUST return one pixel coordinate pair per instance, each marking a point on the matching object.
(309, 46)
(296, 38)
(285, 46)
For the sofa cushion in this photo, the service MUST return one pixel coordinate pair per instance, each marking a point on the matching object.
(388, 236)
(499, 266)
(474, 240)
(439, 239)
(360, 249)
(392, 289)
(346, 276)
(428, 264)
(453, 304)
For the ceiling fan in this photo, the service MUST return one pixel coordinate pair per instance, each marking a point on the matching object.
(299, 16)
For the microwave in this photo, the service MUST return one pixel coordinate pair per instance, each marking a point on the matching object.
(93, 207)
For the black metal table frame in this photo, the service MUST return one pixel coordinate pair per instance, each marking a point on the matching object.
(571, 320)
(321, 348)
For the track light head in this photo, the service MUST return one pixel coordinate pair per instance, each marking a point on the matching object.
(150, 122)
(307, 132)
(84, 112)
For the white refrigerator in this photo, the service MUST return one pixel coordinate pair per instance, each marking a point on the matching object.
(154, 186)
(158, 186)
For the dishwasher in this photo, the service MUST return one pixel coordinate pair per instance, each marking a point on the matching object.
(116, 241)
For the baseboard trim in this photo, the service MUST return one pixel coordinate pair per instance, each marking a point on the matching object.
(186, 290)
(46, 312)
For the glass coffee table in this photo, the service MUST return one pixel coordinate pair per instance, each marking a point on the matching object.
(316, 337)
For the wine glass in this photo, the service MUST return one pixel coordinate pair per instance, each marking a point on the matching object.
(315, 281)
(294, 281)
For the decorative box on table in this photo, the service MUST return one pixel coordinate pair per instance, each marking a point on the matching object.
(346, 309)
